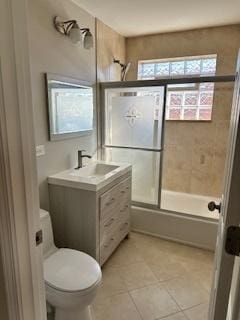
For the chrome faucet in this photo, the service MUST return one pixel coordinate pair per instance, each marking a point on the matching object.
(80, 157)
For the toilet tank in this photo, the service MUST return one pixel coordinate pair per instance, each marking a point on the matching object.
(48, 241)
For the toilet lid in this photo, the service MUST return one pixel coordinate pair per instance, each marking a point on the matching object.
(71, 270)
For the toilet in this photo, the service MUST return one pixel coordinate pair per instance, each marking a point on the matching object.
(71, 277)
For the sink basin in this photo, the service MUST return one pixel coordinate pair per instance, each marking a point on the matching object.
(92, 177)
(97, 170)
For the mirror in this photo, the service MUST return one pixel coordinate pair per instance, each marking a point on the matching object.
(70, 107)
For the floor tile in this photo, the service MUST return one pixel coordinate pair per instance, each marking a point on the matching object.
(186, 292)
(198, 313)
(195, 263)
(176, 316)
(205, 277)
(118, 307)
(137, 275)
(112, 282)
(126, 254)
(154, 302)
(167, 269)
(154, 255)
(154, 271)
(143, 241)
(200, 269)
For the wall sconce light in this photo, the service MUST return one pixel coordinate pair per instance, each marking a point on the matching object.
(71, 29)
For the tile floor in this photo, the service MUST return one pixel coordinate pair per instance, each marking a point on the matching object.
(149, 279)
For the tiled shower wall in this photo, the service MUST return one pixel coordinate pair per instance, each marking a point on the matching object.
(110, 45)
(195, 152)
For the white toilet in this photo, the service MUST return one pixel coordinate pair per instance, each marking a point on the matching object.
(71, 277)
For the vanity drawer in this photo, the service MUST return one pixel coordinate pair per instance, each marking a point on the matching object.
(108, 247)
(107, 227)
(114, 214)
(123, 230)
(111, 200)
(109, 241)
(125, 189)
(124, 212)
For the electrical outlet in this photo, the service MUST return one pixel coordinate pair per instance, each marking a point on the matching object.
(40, 150)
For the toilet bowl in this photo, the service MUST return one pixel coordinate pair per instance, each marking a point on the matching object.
(71, 277)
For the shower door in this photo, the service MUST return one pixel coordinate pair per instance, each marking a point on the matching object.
(132, 133)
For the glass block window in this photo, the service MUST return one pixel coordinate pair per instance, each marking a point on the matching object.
(184, 101)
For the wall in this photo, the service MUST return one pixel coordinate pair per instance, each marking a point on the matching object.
(52, 52)
(194, 152)
(110, 45)
(3, 296)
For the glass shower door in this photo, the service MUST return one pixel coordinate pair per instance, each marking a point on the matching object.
(133, 119)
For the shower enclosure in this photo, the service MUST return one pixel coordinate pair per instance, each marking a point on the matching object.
(133, 129)
(133, 120)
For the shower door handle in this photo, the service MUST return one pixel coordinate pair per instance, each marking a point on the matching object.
(213, 206)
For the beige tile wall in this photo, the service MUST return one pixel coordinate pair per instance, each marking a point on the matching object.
(195, 153)
(110, 45)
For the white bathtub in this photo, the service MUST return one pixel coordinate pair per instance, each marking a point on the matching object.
(193, 204)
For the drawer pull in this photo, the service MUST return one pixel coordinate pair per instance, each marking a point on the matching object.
(125, 208)
(109, 223)
(122, 192)
(110, 202)
(107, 245)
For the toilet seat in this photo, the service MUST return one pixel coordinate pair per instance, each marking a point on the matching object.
(71, 271)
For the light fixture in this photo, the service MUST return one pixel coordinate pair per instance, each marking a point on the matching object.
(71, 29)
(87, 38)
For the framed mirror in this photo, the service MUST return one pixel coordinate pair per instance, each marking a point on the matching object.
(70, 107)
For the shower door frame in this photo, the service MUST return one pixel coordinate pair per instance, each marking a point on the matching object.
(163, 83)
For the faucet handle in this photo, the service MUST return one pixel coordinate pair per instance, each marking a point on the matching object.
(80, 152)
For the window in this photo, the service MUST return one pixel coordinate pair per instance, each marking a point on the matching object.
(184, 101)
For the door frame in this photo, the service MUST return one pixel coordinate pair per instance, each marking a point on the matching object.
(224, 263)
(19, 200)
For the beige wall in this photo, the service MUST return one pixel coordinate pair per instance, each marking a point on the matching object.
(3, 296)
(194, 152)
(52, 52)
(110, 45)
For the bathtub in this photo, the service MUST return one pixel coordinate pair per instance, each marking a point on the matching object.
(183, 218)
(188, 203)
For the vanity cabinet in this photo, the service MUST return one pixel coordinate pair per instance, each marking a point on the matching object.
(94, 222)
